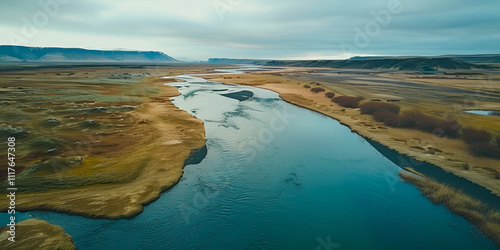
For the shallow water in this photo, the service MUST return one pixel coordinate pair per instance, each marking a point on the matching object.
(277, 176)
(481, 112)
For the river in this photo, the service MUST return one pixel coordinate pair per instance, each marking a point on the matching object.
(277, 176)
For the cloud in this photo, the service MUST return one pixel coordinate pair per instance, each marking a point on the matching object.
(262, 29)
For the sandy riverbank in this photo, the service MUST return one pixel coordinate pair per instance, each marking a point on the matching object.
(450, 154)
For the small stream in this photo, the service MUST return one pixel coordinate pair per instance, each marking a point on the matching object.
(484, 112)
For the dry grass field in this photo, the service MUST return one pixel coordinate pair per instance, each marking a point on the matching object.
(97, 142)
(37, 234)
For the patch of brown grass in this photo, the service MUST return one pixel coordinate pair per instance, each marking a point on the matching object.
(37, 234)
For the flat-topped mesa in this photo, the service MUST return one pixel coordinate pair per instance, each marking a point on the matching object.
(408, 64)
(10, 53)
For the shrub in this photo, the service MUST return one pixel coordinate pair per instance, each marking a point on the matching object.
(409, 119)
(415, 119)
(9, 131)
(316, 90)
(330, 94)
(373, 107)
(484, 149)
(388, 118)
(347, 101)
(45, 143)
(51, 122)
(472, 135)
(428, 123)
(307, 86)
(451, 127)
(89, 124)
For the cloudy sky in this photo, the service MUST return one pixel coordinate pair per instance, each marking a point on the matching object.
(282, 29)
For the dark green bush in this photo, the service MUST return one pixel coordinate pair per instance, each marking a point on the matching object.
(45, 143)
(9, 131)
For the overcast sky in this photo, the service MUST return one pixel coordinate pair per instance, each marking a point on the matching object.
(281, 29)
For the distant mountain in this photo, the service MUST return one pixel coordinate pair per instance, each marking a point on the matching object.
(374, 62)
(236, 61)
(488, 58)
(481, 58)
(9, 53)
(409, 63)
